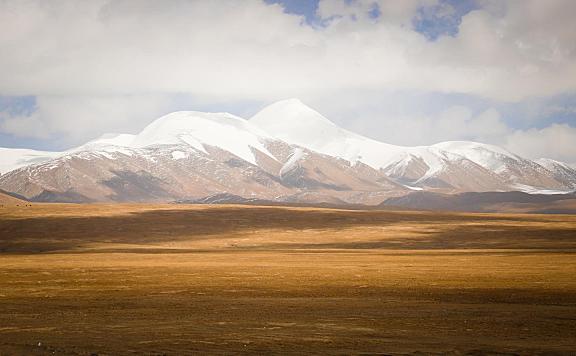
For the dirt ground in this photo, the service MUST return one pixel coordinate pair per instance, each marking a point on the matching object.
(176, 279)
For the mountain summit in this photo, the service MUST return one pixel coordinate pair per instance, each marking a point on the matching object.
(294, 122)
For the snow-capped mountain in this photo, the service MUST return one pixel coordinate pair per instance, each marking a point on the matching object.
(187, 155)
(287, 152)
(516, 171)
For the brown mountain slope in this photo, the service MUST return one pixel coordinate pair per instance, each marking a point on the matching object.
(180, 172)
(8, 199)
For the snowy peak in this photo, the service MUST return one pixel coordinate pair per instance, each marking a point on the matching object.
(174, 127)
(290, 112)
(199, 129)
(292, 121)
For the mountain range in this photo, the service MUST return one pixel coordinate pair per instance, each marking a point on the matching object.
(287, 152)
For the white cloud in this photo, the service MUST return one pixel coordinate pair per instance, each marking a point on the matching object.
(557, 141)
(253, 50)
(488, 127)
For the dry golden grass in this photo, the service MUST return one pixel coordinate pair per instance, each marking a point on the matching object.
(171, 279)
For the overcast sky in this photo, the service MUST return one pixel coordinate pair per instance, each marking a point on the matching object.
(410, 72)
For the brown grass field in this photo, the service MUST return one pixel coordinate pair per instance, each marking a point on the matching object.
(178, 280)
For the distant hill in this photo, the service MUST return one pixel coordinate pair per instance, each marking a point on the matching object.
(289, 201)
(10, 199)
(487, 202)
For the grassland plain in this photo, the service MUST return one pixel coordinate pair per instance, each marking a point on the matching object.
(178, 279)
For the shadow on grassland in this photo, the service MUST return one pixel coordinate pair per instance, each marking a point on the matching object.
(62, 233)
(447, 237)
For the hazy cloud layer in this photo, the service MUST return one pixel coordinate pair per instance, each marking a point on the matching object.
(82, 117)
(105, 65)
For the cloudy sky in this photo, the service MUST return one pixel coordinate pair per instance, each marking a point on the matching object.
(410, 72)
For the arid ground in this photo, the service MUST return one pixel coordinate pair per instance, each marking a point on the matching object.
(177, 279)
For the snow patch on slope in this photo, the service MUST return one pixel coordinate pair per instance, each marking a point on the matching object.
(178, 155)
(533, 190)
(296, 156)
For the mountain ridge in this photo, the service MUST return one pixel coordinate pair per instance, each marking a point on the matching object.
(287, 151)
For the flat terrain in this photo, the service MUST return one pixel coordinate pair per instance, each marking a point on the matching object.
(176, 279)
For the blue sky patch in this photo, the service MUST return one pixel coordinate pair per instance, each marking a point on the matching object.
(306, 8)
(442, 19)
